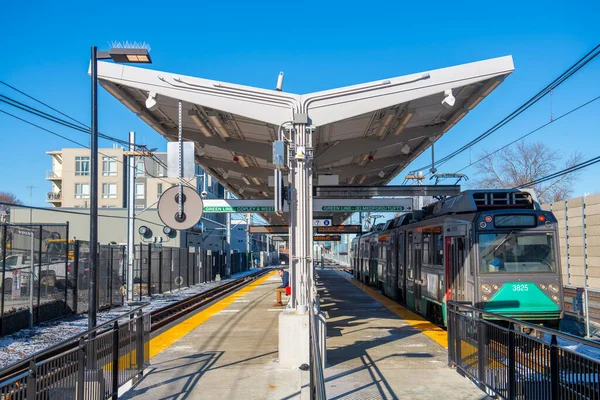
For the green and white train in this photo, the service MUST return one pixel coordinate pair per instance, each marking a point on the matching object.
(495, 249)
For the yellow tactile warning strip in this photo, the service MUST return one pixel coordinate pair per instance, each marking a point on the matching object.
(170, 336)
(430, 330)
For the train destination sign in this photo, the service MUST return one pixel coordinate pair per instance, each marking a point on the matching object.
(339, 229)
(319, 205)
(327, 238)
(352, 205)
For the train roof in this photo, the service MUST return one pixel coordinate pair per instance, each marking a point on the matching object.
(482, 200)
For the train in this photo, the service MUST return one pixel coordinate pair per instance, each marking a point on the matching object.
(494, 249)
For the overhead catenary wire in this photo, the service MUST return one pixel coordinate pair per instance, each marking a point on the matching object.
(560, 173)
(582, 62)
(531, 132)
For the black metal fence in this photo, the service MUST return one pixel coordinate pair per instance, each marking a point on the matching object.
(92, 365)
(35, 261)
(44, 275)
(506, 362)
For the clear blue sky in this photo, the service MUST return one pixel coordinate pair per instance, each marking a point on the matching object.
(45, 51)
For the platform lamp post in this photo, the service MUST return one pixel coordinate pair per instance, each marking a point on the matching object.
(118, 55)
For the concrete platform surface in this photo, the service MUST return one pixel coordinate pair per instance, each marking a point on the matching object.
(230, 355)
(374, 354)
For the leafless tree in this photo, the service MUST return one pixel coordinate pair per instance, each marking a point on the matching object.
(523, 163)
(6, 197)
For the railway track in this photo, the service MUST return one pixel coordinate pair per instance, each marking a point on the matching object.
(159, 318)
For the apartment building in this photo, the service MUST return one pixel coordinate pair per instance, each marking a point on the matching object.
(70, 178)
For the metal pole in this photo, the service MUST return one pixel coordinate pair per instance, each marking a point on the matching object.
(228, 227)
(31, 270)
(92, 300)
(585, 268)
(130, 217)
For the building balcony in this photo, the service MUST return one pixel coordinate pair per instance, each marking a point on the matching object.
(52, 175)
(54, 197)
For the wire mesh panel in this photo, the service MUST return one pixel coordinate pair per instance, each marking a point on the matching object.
(167, 270)
(57, 376)
(156, 270)
(14, 388)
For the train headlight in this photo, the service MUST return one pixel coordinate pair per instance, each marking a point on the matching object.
(486, 289)
(482, 225)
(495, 287)
(484, 298)
(553, 287)
(543, 286)
(548, 224)
(554, 297)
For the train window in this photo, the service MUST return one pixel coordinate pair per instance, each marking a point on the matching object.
(426, 239)
(400, 250)
(517, 252)
(409, 258)
(437, 254)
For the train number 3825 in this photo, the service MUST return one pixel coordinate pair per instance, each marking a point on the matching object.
(520, 288)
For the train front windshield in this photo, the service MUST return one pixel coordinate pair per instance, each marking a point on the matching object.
(517, 252)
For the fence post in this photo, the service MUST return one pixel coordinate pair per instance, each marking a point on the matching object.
(171, 270)
(76, 274)
(139, 342)
(4, 228)
(512, 383)
(141, 269)
(81, 369)
(554, 372)
(150, 269)
(66, 267)
(188, 266)
(31, 382)
(481, 356)
(37, 310)
(160, 274)
(115, 361)
(450, 322)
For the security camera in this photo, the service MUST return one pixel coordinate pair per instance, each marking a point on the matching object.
(151, 103)
(204, 193)
(449, 99)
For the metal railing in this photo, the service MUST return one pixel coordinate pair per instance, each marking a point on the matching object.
(51, 174)
(54, 195)
(317, 381)
(495, 352)
(92, 365)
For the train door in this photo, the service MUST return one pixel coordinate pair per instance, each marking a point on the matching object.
(400, 270)
(392, 268)
(417, 259)
(455, 247)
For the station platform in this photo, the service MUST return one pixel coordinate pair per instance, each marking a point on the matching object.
(375, 350)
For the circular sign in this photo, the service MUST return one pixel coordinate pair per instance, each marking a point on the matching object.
(326, 222)
(168, 208)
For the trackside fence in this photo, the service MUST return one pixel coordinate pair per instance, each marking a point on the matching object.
(505, 362)
(92, 365)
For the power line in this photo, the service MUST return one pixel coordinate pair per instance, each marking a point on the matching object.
(61, 210)
(44, 104)
(537, 97)
(531, 132)
(84, 146)
(557, 174)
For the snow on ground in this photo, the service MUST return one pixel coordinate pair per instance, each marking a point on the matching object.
(26, 342)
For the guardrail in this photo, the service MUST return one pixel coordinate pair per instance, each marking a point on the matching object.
(92, 365)
(493, 351)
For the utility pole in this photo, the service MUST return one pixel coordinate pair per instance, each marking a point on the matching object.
(228, 233)
(130, 216)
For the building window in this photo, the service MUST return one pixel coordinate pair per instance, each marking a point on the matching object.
(159, 190)
(82, 166)
(139, 168)
(82, 190)
(160, 170)
(109, 190)
(139, 191)
(109, 166)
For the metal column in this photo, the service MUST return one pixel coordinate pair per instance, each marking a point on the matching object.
(130, 216)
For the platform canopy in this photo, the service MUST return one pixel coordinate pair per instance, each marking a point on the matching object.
(366, 134)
